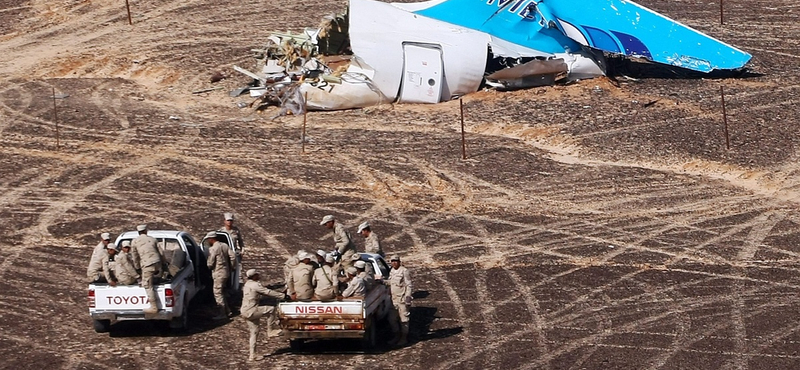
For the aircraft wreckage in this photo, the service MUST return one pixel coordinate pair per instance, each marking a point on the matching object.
(435, 51)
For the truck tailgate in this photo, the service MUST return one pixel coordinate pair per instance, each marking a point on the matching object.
(125, 298)
(317, 310)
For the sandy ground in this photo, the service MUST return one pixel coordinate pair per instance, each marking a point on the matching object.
(593, 226)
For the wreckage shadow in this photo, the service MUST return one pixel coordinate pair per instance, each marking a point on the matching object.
(622, 67)
(199, 321)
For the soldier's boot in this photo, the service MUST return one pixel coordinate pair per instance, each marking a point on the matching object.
(221, 315)
(403, 335)
(153, 298)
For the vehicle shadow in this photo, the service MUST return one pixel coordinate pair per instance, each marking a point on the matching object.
(422, 317)
(200, 320)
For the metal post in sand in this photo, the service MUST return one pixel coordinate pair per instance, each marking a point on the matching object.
(463, 141)
(725, 119)
(305, 112)
(55, 118)
(721, 21)
(128, 6)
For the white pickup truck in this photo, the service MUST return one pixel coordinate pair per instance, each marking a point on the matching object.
(347, 318)
(109, 304)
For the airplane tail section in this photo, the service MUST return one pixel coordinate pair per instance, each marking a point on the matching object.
(614, 26)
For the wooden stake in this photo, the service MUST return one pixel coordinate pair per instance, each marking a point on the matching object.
(128, 6)
(463, 141)
(725, 119)
(305, 112)
(55, 119)
(720, 12)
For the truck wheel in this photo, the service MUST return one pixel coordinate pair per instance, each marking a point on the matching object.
(182, 322)
(368, 342)
(102, 326)
(296, 344)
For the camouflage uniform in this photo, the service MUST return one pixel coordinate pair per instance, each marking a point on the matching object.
(147, 257)
(324, 287)
(344, 244)
(236, 236)
(124, 269)
(372, 244)
(252, 312)
(400, 285)
(300, 281)
(355, 288)
(95, 270)
(220, 265)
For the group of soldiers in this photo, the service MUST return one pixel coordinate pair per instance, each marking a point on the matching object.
(328, 276)
(319, 276)
(141, 260)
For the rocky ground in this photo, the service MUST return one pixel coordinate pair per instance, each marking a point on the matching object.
(593, 226)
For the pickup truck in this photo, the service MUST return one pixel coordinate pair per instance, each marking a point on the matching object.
(188, 272)
(346, 318)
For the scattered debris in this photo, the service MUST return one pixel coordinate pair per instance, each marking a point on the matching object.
(206, 90)
(174, 118)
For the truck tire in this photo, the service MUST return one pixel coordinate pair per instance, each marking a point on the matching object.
(369, 341)
(182, 322)
(102, 326)
(296, 344)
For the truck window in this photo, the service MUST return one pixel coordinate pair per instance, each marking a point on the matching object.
(190, 246)
(383, 267)
(172, 251)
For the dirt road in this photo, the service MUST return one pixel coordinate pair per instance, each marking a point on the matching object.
(593, 226)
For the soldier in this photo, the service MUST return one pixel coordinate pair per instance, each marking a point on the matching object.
(355, 285)
(147, 257)
(219, 262)
(123, 266)
(369, 278)
(344, 243)
(290, 264)
(371, 242)
(95, 271)
(323, 281)
(299, 284)
(252, 312)
(234, 232)
(320, 258)
(400, 284)
(109, 265)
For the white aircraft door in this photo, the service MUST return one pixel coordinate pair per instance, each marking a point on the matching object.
(422, 74)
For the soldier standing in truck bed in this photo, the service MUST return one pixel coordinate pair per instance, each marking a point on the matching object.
(341, 237)
(147, 257)
(252, 312)
(371, 242)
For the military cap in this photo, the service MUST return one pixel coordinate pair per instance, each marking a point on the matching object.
(211, 234)
(329, 258)
(228, 216)
(141, 227)
(251, 272)
(111, 246)
(326, 219)
(363, 226)
(394, 258)
(105, 236)
(360, 264)
(321, 253)
(126, 243)
(352, 270)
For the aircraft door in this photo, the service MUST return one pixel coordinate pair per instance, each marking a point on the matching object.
(422, 74)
